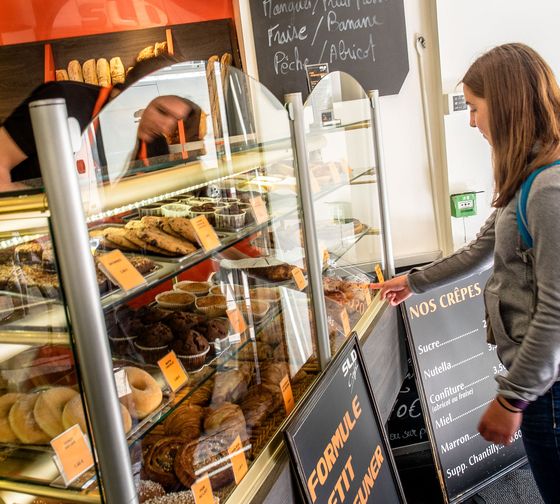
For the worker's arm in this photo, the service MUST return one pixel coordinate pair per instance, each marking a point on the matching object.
(10, 155)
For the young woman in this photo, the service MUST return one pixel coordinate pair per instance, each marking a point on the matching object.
(514, 101)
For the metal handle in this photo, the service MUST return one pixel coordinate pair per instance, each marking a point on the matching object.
(381, 184)
(314, 256)
(70, 235)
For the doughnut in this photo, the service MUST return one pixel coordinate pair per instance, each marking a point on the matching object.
(22, 421)
(48, 409)
(73, 413)
(6, 402)
(146, 393)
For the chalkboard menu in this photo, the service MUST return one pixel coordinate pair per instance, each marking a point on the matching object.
(364, 38)
(336, 441)
(455, 368)
(406, 424)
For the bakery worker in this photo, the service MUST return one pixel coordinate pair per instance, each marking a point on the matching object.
(18, 155)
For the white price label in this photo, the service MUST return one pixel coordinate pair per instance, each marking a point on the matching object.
(121, 381)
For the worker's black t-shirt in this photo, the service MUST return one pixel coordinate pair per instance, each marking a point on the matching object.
(80, 102)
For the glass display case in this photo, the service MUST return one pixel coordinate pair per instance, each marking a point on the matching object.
(343, 174)
(161, 299)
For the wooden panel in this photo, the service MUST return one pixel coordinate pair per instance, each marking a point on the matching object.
(202, 40)
(21, 70)
(127, 45)
(22, 66)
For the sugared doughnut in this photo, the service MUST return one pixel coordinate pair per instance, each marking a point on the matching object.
(7, 435)
(22, 421)
(73, 413)
(48, 409)
(146, 393)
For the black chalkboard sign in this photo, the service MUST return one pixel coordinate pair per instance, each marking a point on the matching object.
(455, 368)
(406, 424)
(336, 442)
(364, 38)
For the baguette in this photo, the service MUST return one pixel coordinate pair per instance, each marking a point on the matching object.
(89, 71)
(75, 71)
(103, 72)
(146, 53)
(61, 75)
(117, 70)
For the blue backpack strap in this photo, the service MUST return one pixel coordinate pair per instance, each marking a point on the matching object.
(521, 210)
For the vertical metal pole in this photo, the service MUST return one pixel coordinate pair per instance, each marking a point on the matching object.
(314, 255)
(381, 183)
(50, 128)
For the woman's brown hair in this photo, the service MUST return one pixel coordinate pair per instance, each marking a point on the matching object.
(523, 111)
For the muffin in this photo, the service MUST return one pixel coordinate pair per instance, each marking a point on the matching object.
(181, 322)
(191, 349)
(218, 329)
(175, 300)
(217, 334)
(153, 344)
(230, 218)
(211, 306)
(208, 210)
(196, 288)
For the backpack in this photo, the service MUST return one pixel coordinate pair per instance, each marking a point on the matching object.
(521, 210)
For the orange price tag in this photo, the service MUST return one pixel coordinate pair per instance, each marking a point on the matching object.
(205, 233)
(237, 320)
(73, 453)
(334, 173)
(287, 394)
(300, 280)
(379, 273)
(202, 491)
(173, 371)
(259, 209)
(368, 296)
(238, 460)
(345, 322)
(120, 270)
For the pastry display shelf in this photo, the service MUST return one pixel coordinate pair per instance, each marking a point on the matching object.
(138, 190)
(171, 269)
(42, 329)
(322, 130)
(337, 253)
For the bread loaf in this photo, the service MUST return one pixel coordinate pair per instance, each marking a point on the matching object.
(89, 71)
(117, 70)
(103, 72)
(75, 71)
(61, 75)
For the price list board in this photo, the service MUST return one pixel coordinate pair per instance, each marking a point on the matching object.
(455, 369)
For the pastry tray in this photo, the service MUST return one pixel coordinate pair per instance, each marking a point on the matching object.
(245, 266)
(16, 457)
(154, 257)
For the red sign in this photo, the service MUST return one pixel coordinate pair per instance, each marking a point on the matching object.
(33, 20)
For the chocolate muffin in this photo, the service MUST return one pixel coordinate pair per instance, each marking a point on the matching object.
(153, 343)
(218, 328)
(181, 322)
(191, 349)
